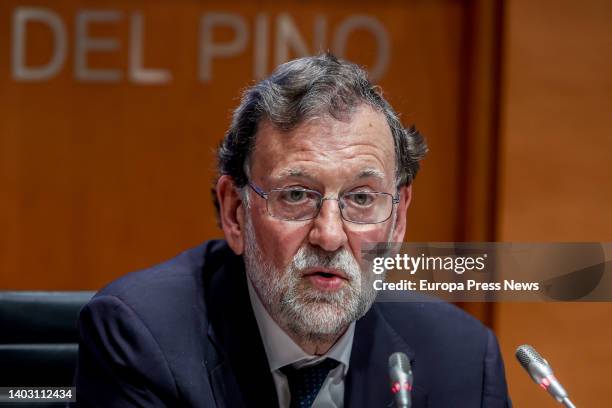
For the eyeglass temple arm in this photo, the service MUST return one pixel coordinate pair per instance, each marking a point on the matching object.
(258, 190)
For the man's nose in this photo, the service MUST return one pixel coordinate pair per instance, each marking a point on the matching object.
(328, 231)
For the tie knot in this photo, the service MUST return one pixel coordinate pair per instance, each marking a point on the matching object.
(305, 382)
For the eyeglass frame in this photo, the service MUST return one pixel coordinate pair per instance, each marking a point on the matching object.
(265, 195)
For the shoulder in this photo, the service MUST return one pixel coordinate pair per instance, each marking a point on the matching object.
(166, 301)
(179, 279)
(135, 333)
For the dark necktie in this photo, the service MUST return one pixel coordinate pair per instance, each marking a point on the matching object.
(305, 382)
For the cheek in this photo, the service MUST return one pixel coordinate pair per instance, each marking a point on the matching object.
(367, 235)
(279, 241)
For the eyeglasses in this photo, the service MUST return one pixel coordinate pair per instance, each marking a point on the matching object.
(300, 204)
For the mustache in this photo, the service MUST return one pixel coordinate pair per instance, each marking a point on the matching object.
(309, 257)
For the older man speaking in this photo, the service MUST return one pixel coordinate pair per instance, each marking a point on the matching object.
(281, 314)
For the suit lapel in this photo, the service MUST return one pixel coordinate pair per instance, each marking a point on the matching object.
(240, 372)
(367, 382)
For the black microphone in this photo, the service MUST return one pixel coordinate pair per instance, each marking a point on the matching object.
(542, 374)
(400, 374)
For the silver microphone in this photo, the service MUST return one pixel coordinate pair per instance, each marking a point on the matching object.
(401, 377)
(542, 374)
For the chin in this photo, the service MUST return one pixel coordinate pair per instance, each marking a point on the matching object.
(320, 314)
(319, 322)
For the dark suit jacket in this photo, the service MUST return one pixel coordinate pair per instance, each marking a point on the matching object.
(183, 334)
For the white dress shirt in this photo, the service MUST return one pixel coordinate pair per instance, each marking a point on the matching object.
(281, 350)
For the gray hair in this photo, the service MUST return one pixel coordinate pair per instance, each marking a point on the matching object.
(303, 89)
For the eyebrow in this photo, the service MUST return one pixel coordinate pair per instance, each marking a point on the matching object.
(371, 173)
(292, 173)
(297, 172)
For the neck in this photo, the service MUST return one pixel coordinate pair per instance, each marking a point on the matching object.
(314, 344)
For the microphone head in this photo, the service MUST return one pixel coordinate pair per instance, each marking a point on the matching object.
(540, 371)
(400, 374)
(401, 361)
(526, 354)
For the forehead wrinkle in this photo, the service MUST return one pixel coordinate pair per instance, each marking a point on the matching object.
(335, 144)
(372, 168)
(352, 151)
(298, 172)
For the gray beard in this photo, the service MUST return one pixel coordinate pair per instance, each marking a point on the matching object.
(294, 304)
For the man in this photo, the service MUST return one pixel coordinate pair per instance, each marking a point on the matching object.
(315, 164)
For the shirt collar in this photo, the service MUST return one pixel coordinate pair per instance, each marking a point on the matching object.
(281, 350)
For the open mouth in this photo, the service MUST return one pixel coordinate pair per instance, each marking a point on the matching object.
(326, 279)
(325, 274)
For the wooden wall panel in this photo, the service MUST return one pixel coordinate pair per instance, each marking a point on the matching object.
(98, 179)
(477, 178)
(556, 181)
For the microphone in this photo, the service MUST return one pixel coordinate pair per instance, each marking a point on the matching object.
(400, 374)
(541, 372)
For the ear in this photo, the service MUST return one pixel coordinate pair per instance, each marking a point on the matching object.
(231, 212)
(405, 195)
